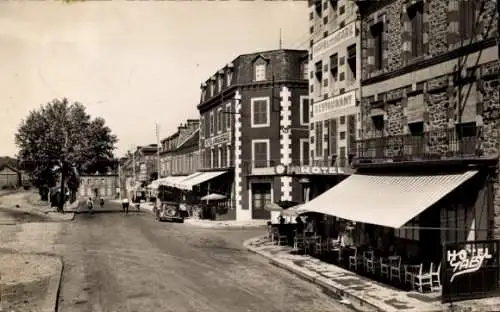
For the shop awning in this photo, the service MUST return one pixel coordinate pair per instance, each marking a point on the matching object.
(193, 180)
(386, 200)
(171, 180)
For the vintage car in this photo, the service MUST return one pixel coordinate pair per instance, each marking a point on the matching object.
(169, 211)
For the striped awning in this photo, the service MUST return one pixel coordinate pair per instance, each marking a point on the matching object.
(386, 200)
(195, 179)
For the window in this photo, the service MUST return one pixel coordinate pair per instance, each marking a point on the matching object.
(220, 82)
(304, 110)
(342, 135)
(220, 120)
(416, 14)
(333, 137)
(228, 117)
(334, 65)
(260, 153)
(467, 19)
(351, 62)
(410, 230)
(212, 86)
(228, 155)
(212, 158)
(229, 77)
(203, 94)
(260, 111)
(319, 139)
(342, 120)
(351, 128)
(202, 127)
(342, 10)
(377, 32)
(342, 158)
(212, 123)
(304, 69)
(216, 158)
(260, 72)
(304, 152)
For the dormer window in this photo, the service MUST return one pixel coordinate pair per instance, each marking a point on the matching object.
(260, 72)
(220, 81)
(212, 87)
(229, 77)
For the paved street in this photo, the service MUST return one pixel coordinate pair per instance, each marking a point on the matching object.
(134, 263)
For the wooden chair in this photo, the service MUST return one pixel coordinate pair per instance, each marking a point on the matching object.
(298, 242)
(355, 260)
(384, 267)
(435, 277)
(410, 271)
(395, 266)
(279, 238)
(369, 261)
(422, 278)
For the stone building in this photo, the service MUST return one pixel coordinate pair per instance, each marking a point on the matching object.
(179, 153)
(253, 117)
(430, 105)
(98, 185)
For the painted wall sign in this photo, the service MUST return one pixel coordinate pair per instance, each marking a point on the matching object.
(306, 170)
(470, 270)
(335, 39)
(339, 102)
(466, 261)
(219, 139)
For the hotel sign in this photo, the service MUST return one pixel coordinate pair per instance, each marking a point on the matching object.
(216, 140)
(332, 104)
(335, 39)
(470, 270)
(306, 170)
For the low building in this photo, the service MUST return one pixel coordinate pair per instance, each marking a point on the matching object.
(10, 177)
(253, 117)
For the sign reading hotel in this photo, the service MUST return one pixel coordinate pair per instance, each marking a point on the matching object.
(338, 103)
(216, 140)
(333, 40)
(470, 270)
(306, 170)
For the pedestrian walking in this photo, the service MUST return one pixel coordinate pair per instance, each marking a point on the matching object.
(101, 202)
(125, 204)
(90, 205)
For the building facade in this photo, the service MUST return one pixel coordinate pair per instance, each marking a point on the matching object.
(9, 177)
(430, 104)
(179, 153)
(106, 186)
(253, 117)
(146, 162)
(334, 78)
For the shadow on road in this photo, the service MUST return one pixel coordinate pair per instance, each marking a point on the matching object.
(23, 216)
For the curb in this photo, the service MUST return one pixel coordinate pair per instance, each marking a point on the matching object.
(357, 302)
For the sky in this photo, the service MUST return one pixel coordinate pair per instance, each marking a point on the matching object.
(134, 63)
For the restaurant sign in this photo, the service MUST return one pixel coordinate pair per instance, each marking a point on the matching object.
(306, 170)
(470, 270)
(332, 104)
(216, 140)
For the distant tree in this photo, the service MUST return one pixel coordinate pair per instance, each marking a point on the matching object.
(61, 140)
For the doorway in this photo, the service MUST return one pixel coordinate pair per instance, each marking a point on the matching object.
(261, 195)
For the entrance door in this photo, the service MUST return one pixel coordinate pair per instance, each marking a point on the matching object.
(261, 195)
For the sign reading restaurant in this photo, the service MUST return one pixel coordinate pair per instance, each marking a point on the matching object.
(337, 103)
(216, 140)
(335, 39)
(306, 170)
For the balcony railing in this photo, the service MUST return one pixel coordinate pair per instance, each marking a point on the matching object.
(432, 145)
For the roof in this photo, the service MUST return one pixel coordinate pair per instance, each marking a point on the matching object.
(10, 167)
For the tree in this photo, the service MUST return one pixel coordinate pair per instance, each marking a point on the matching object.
(61, 140)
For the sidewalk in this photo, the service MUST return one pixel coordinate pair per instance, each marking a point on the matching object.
(225, 224)
(364, 294)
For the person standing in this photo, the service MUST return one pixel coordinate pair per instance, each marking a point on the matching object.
(125, 204)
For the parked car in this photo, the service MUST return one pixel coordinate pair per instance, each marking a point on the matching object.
(169, 211)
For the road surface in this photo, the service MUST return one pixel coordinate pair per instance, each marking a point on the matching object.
(134, 264)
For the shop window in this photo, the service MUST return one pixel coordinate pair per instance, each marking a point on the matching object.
(260, 111)
(410, 230)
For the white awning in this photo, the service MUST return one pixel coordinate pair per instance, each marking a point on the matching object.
(189, 182)
(171, 180)
(386, 200)
(178, 183)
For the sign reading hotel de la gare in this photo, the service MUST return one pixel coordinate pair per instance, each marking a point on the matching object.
(470, 270)
(305, 170)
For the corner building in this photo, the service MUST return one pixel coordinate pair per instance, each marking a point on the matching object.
(430, 99)
(334, 89)
(254, 116)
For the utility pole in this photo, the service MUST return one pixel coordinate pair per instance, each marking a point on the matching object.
(158, 150)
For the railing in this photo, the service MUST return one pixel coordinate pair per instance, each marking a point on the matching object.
(432, 145)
